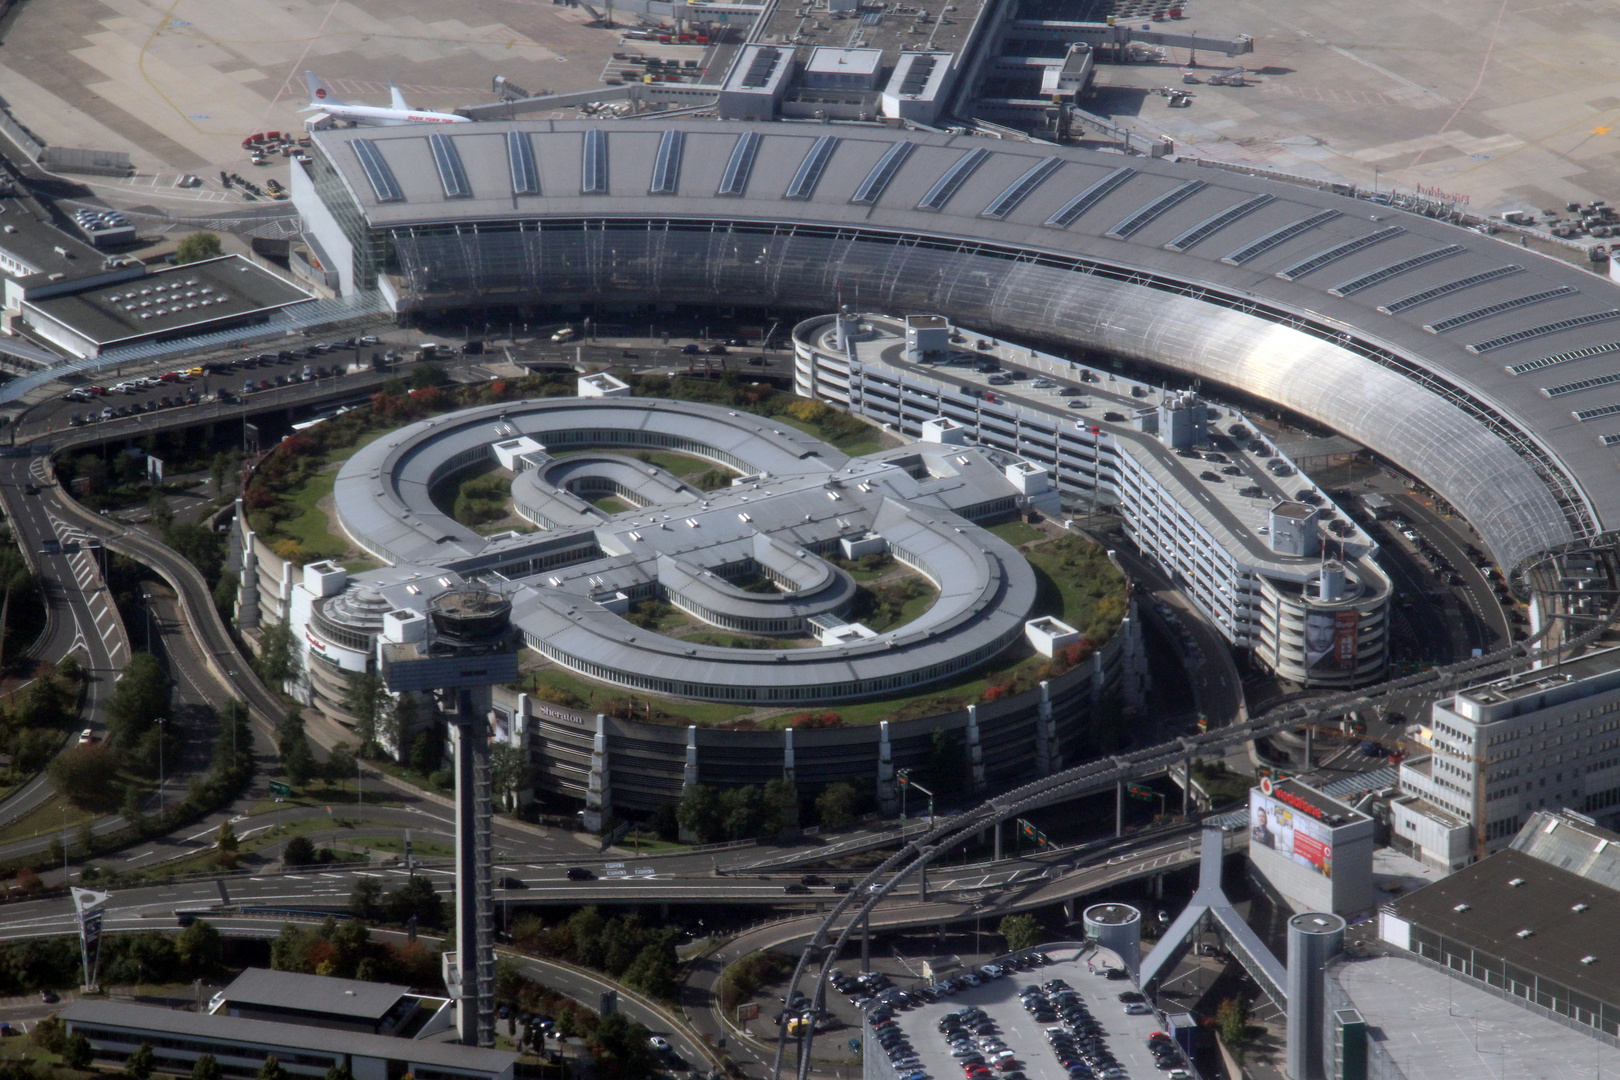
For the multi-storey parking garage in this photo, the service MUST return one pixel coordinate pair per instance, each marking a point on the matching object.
(1483, 369)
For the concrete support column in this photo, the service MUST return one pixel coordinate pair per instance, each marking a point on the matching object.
(598, 793)
(996, 828)
(1136, 673)
(689, 775)
(475, 930)
(1186, 788)
(866, 942)
(247, 588)
(975, 751)
(885, 777)
(1047, 758)
(1119, 808)
(1314, 938)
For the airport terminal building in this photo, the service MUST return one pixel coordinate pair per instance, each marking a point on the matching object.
(1480, 368)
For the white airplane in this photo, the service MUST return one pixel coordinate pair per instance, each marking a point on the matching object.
(322, 98)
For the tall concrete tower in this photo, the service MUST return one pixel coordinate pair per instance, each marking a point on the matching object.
(1314, 938)
(466, 648)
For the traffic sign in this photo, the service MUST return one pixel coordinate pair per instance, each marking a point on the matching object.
(1140, 793)
(279, 789)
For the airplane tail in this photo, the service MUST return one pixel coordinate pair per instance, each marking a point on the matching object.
(398, 98)
(319, 94)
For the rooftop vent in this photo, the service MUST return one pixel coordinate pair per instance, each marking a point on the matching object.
(1461, 907)
(1514, 883)
(1588, 960)
(1578, 907)
(1523, 933)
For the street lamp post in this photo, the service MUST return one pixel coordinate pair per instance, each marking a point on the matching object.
(64, 845)
(161, 731)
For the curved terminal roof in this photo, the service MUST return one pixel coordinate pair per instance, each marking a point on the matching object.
(798, 498)
(1491, 372)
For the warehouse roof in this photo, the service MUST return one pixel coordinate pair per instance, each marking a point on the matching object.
(265, 988)
(1531, 914)
(1489, 370)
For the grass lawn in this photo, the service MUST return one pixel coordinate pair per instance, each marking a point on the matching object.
(47, 819)
(695, 712)
(868, 441)
(671, 462)
(965, 690)
(1017, 532)
(426, 849)
(308, 523)
(1082, 586)
(611, 504)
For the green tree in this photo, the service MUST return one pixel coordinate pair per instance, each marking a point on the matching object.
(655, 969)
(272, 1070)
(299, 851)
(367, 700)
(300, 764)
(199, 545)
(277, 660)
(139, 1064)
(199, 948)
(1232, 1021)
(428, 750)
(509, 772)
(340, 764)
(161, 513)
(835, 806)
(227, 843)
(78, 1054)
(198, 246)
(415, 897)
(426, 375)
(224, 595)
(340, 1071)
(87, 775)
(365, 899)
(780, 811)
(701, 814)
(742, 810)
(1021, 932)
(139, 698)
(620, 1048)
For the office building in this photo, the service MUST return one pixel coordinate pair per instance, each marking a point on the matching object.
(1495, 754)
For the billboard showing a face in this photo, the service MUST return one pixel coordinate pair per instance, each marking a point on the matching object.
(1330, 639)
(1290, 832)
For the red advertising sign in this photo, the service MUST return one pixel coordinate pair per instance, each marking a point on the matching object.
(1344, 639)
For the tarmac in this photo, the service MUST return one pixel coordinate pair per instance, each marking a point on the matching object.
(1506, 106)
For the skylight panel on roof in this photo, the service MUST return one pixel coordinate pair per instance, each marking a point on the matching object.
(1337, 252)
(1071, 211)
(1583, 415)
(1584, 384)
(666, 176)
(383, 184)
(594, 165)
(947, 186)
(520, 161)
(1542, 330)
(1020, 189)
(1563, 358)
(734, 181)
(1486, 312)
(1212, 225)
(1144, 214)
(1278, 237)
(810, 169)
(1395, 307)
(447, 160)
(1384, 273)
(872, 188)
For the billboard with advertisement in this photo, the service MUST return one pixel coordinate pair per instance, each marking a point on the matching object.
(1289, 831)
(1330, 639)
